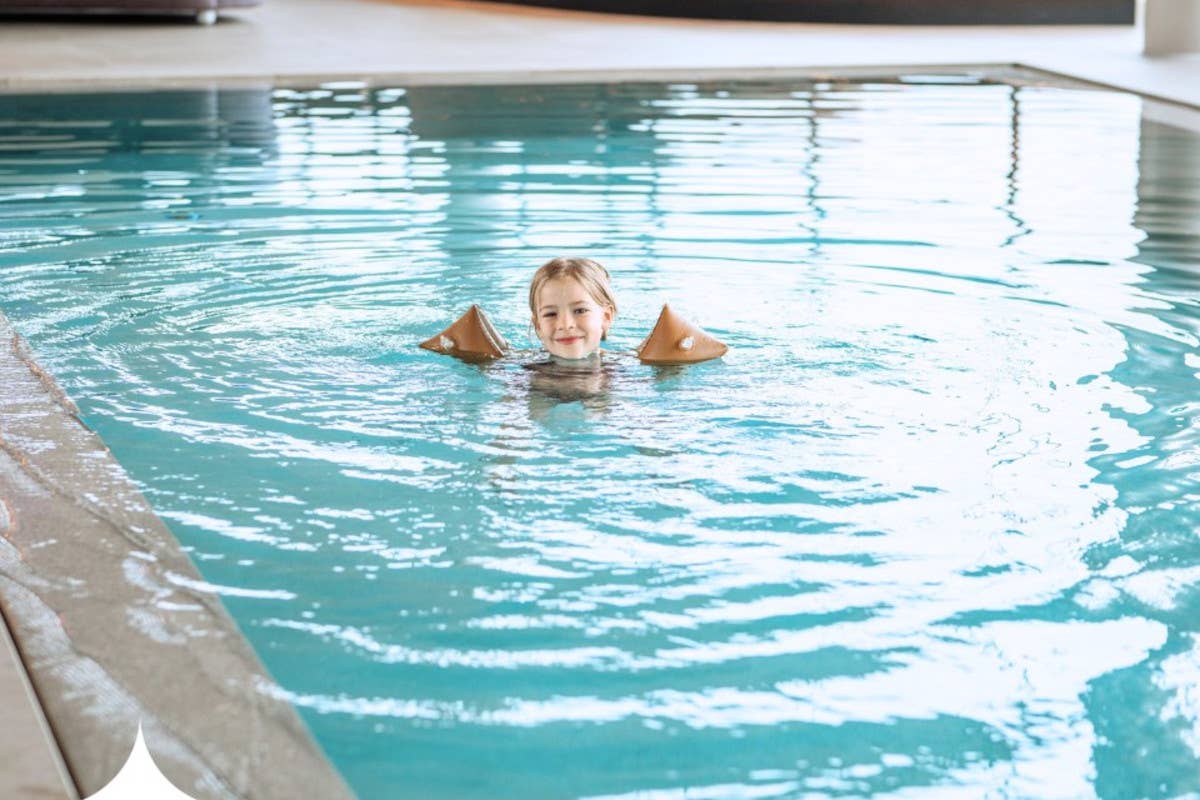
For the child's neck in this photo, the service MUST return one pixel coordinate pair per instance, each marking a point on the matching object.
(588, 362)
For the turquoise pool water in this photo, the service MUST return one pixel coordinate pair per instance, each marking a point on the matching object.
(929, 530)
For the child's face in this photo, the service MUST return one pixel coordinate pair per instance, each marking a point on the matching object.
(568, 320)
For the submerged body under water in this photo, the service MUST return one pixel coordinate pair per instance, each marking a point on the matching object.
(929, 529)
(555, 381)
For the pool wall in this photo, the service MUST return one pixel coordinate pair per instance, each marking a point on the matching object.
(114, 626)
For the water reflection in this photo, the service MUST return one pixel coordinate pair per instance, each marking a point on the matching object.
(1156, 557)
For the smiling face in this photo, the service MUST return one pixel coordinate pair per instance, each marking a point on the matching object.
(568, 320)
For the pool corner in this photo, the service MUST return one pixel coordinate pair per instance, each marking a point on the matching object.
(89, 575)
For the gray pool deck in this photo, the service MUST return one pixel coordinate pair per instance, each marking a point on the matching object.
(397, 41)
(58, 623)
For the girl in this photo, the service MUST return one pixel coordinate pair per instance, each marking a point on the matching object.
(572, 308)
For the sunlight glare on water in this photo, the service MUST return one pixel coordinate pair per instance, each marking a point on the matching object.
(927, 530)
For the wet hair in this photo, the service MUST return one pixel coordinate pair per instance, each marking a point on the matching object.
(589, 273)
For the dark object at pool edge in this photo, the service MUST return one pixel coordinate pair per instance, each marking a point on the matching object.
(203, 11)
(880, 12)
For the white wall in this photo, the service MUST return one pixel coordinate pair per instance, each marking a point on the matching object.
(1169, 26)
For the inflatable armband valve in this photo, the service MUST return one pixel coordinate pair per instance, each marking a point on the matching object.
(674, 340)
(472, 337)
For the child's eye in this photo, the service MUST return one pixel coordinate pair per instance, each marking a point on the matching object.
(548, 314)
(583, 310)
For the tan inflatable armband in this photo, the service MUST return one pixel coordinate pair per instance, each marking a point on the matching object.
(674, 340)
(472, 338)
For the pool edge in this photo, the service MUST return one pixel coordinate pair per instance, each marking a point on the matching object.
(532, 76)
(90, 576)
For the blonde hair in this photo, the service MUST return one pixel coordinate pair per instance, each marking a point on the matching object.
(589, 273)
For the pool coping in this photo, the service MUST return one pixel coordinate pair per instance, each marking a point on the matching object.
(1162, 107)
(110, 619)
(83, 693)
(574, 76)
(36, 764)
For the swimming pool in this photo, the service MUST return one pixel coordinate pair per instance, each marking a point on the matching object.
(928, 529)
